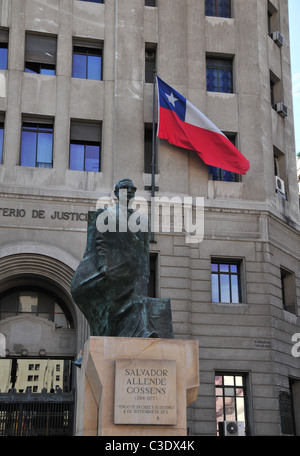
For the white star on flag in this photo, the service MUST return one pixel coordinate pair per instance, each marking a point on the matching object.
(171, 99)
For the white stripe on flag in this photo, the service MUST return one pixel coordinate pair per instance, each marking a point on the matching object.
(195, 117)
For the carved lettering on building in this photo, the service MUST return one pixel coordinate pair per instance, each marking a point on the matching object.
(43, 214)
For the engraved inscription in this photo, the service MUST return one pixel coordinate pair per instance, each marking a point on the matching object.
(145, 392)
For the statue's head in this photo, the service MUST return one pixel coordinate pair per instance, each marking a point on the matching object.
(125, 184)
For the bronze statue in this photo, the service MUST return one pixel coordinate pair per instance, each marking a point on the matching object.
(111, 283)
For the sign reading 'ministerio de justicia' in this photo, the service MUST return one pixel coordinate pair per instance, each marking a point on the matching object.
(145, 392)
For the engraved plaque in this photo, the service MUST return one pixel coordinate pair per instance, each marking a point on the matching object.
(145, 392)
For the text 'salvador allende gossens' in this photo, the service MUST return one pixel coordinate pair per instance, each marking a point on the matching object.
(146, 381)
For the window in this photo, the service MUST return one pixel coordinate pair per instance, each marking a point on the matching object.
(218, 174)
(288, 290)
(148, 138)
(87, 62)
(93, 1)
(276, 89)
(225, 281)
(219, 75)
(150, 2)
(230, 393)
(273, 19)
(40, 54)
(37, 302)
(85, 146)
(1, 139)
(220, 8)
(150, 62)
(3, 49)
(37, 145)
(272, 92)
(152, 288)
(280, 173)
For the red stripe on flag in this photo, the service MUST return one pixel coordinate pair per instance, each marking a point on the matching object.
(214, 149)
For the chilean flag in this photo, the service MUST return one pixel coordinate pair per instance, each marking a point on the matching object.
(183, 125)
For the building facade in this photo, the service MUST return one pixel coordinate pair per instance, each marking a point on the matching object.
(76, 113)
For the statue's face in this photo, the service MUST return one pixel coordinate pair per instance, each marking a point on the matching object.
(128, 187)
(130, 191)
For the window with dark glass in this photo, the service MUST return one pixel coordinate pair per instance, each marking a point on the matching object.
(85, 146)
(40, 54)
(1, 139)
(288, 290)
(37, 144)
(148, 140)
(152, 285)
(272, 89)
(218, 174)
(230, 394)
(87, 62)
(150, 2)
(225, 281)
(3, 49)
(150, 62)
(219, 8)
(219, 75)
(93, 1)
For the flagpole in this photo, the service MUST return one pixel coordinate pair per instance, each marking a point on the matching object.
(153, 158)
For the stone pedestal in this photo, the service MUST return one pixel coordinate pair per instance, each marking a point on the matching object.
(136, 387)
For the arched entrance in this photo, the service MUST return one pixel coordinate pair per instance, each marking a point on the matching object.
(39, 322)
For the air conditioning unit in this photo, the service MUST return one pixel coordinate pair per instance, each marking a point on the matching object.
(281, 109)
(232, 428)
(277, 38)
(279, 184)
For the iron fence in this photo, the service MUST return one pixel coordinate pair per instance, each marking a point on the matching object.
(36, 414)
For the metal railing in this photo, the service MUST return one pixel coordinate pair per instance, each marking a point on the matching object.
(36, 414)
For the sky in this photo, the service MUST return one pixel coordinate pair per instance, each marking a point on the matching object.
(294, 13)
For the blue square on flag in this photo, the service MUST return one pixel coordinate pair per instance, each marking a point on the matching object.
(171, 99)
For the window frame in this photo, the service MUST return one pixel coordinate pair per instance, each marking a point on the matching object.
(36, 126)
(148, 138)
(223, 385)
(151, 3)
(88, 49)
(227, 262)
(220, 173)
(15, 309)
(85, 134)
(36, 61)
(93, 1)
(216, 9)
(4, 37)
(153, 275)
(287, 279)
(218, 63)
(85, 143)
(150, 61)
(2, 126)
